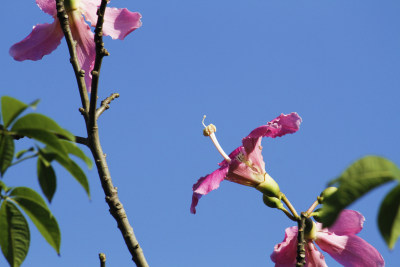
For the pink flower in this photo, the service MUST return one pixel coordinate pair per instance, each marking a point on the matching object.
(339, 241)
(245, 165)
(45, 38)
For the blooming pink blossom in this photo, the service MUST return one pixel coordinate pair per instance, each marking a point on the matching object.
(45, 38)
(245, 165)
(339, 241)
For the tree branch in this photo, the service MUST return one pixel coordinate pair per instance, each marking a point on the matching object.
(301, 252)
(112, 199)
(105, 104)
(79, 73)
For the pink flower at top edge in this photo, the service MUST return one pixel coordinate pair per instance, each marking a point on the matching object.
(45, 38)
(245, 164)
(339, 241)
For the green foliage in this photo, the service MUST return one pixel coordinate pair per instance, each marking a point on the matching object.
(35, 207)
(11, 108)
(46, 131)
(59, 146)
(361, 177)
(389, 217)
(6, 152)
(34, 121)
(48, 154)
(47, 178)
(14, 234)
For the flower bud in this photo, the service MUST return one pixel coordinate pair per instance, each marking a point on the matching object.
(269, 187)
(317, 214)
(310, 231)
(272, 202)
(326, 193)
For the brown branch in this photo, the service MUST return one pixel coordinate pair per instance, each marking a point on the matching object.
(100, 53)
(301, 252)
(79, 73)
(105, 104)
(112, 199)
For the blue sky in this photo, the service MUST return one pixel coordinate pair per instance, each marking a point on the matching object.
(242, 63)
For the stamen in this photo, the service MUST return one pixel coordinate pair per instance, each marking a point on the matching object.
(209, 131)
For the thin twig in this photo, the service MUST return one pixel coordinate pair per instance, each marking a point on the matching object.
(102, 258)
(27, 157)
(105, 104)
(79, 73)
(100, 53)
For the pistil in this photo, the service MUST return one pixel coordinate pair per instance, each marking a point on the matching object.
(210, 131)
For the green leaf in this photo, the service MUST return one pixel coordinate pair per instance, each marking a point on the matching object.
(6, 152)
(19, 154)
(360, 178)
(47, 138)
(47, 178)
(40, 122)
(389, 217)
(14, 234)
(73, 149)
(35, 207)
(3, 187)
(10, 109)
(75, 171)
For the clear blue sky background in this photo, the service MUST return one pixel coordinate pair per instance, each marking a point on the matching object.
(242, 63)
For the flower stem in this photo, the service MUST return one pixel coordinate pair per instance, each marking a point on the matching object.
(311, 208)
(290, 206)
(301, 252)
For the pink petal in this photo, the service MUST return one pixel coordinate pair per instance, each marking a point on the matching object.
(253, 150)
(206, 184)
(118, 23)
(349, 250)
(285, 252)
(48, 6)
(85, 48)
(284, 124)
(43, 39)
(349, 222)
(314, 257)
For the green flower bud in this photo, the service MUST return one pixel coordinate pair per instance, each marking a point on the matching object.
(317, 214)
(326, 193)
(272, 202)
(310, 231)
(269, 187)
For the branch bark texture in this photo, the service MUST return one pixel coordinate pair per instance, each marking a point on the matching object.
(93, 140)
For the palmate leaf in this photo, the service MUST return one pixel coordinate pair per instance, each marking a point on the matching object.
(73, 149)
(35, 207)
(11, 108)
(389, 217)
(361, 177)
(70, 165)
(47, 178)
(34, 121)
(47, 138)
(6, 152)
(14, 234)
